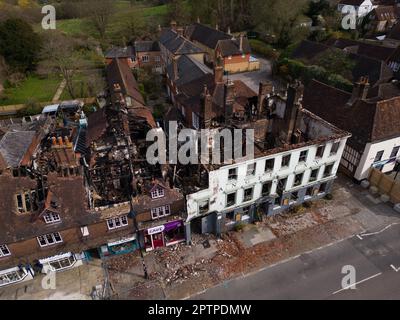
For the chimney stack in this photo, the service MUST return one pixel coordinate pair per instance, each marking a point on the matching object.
(173, 25)
(217, 27)
(219, 70)
(229, 101)
(293, 101)
(360, 90)
(198, 19)
(265, 89)
(207, 103)
(241, 42)
(229, 30)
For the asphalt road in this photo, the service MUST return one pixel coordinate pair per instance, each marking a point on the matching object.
(318, 274)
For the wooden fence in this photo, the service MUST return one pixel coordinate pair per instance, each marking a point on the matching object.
(385, 184)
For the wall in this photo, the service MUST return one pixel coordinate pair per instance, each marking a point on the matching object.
(220, 186)
(368, 157)
(385, 184)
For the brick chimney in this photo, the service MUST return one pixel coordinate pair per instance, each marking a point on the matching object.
(198, 20)
(219, 70)
(229, 100)
(265, 89)
(229, 31)
(207, 104)
(293, 102)
(217, 27)
(360, 90)
(241, 42)
(173, 25)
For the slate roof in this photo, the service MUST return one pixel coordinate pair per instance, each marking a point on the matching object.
(206, 35)
(368, 120)
(189, 69)
(177, 44)
(232, 47)
(375, 70)
(14, 145)
(365, 49)
(147, 46)
(118, 52)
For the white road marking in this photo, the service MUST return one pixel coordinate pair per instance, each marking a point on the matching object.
(350, 286)
(394, 268)
(360, 236)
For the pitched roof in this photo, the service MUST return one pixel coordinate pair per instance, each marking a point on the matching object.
(206, 35)
(231, 47)
(375, 70)
(97, 125)
(119, 72)
(368, 120)
(394, 33)
(189, 70)
(373, 51)
(384, 13)
(146, 46)
(177, 44)
(118, 52)
(14, 145)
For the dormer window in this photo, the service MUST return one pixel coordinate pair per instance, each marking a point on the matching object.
(157, 193)
(51, 217)
(4, 251)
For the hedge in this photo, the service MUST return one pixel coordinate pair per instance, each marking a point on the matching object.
(263, 49)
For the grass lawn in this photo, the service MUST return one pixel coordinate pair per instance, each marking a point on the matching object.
(33, 87)
(124, 13)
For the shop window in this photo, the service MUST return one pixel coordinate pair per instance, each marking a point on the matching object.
(12, 276)
(232, 175)
(278, 201)
(310, 192)
(286, 161)
(314, 175)
(303, 156)
(4, 251)
(204, 207)
(245, 213)
(320, 152)
(248, 194)
(281, 186)
(231, 199)
(62, 263)
(266, 189)
(157, 213)
(116, 223)
(323, 188)
(269, 165)
(49, 239)
(294, 196)
(230, 216)
(158, 192)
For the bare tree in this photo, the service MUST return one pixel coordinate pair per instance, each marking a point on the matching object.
(99, 12)
(59, 56)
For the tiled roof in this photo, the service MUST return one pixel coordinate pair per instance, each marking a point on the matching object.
(189, 69)
(232, 47)
(177, 44)
(118, 52)
(206, 35)
(14, 145)
(146, 46)
(368, 120)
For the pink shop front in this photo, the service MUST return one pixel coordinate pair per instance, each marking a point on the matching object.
(165, 235)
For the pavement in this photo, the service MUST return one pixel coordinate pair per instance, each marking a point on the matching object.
(217, 268)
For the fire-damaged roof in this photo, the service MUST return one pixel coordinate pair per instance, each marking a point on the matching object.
(368, 120)
(70, 194)
(97, 126)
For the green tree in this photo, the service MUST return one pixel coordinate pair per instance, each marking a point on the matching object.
(336, 61)
(19, 44)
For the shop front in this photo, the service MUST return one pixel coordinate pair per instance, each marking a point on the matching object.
(15, 275)
(61, 262)
(165, 235)
(118, 247)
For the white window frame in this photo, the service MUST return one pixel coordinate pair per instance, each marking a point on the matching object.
(51, 217)
(117, 223)
(54, 267)
(145, 58)
(13, 275)
(3, 249)
(251, 169)
(158, 193)
(160, 212)
(48, 236)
